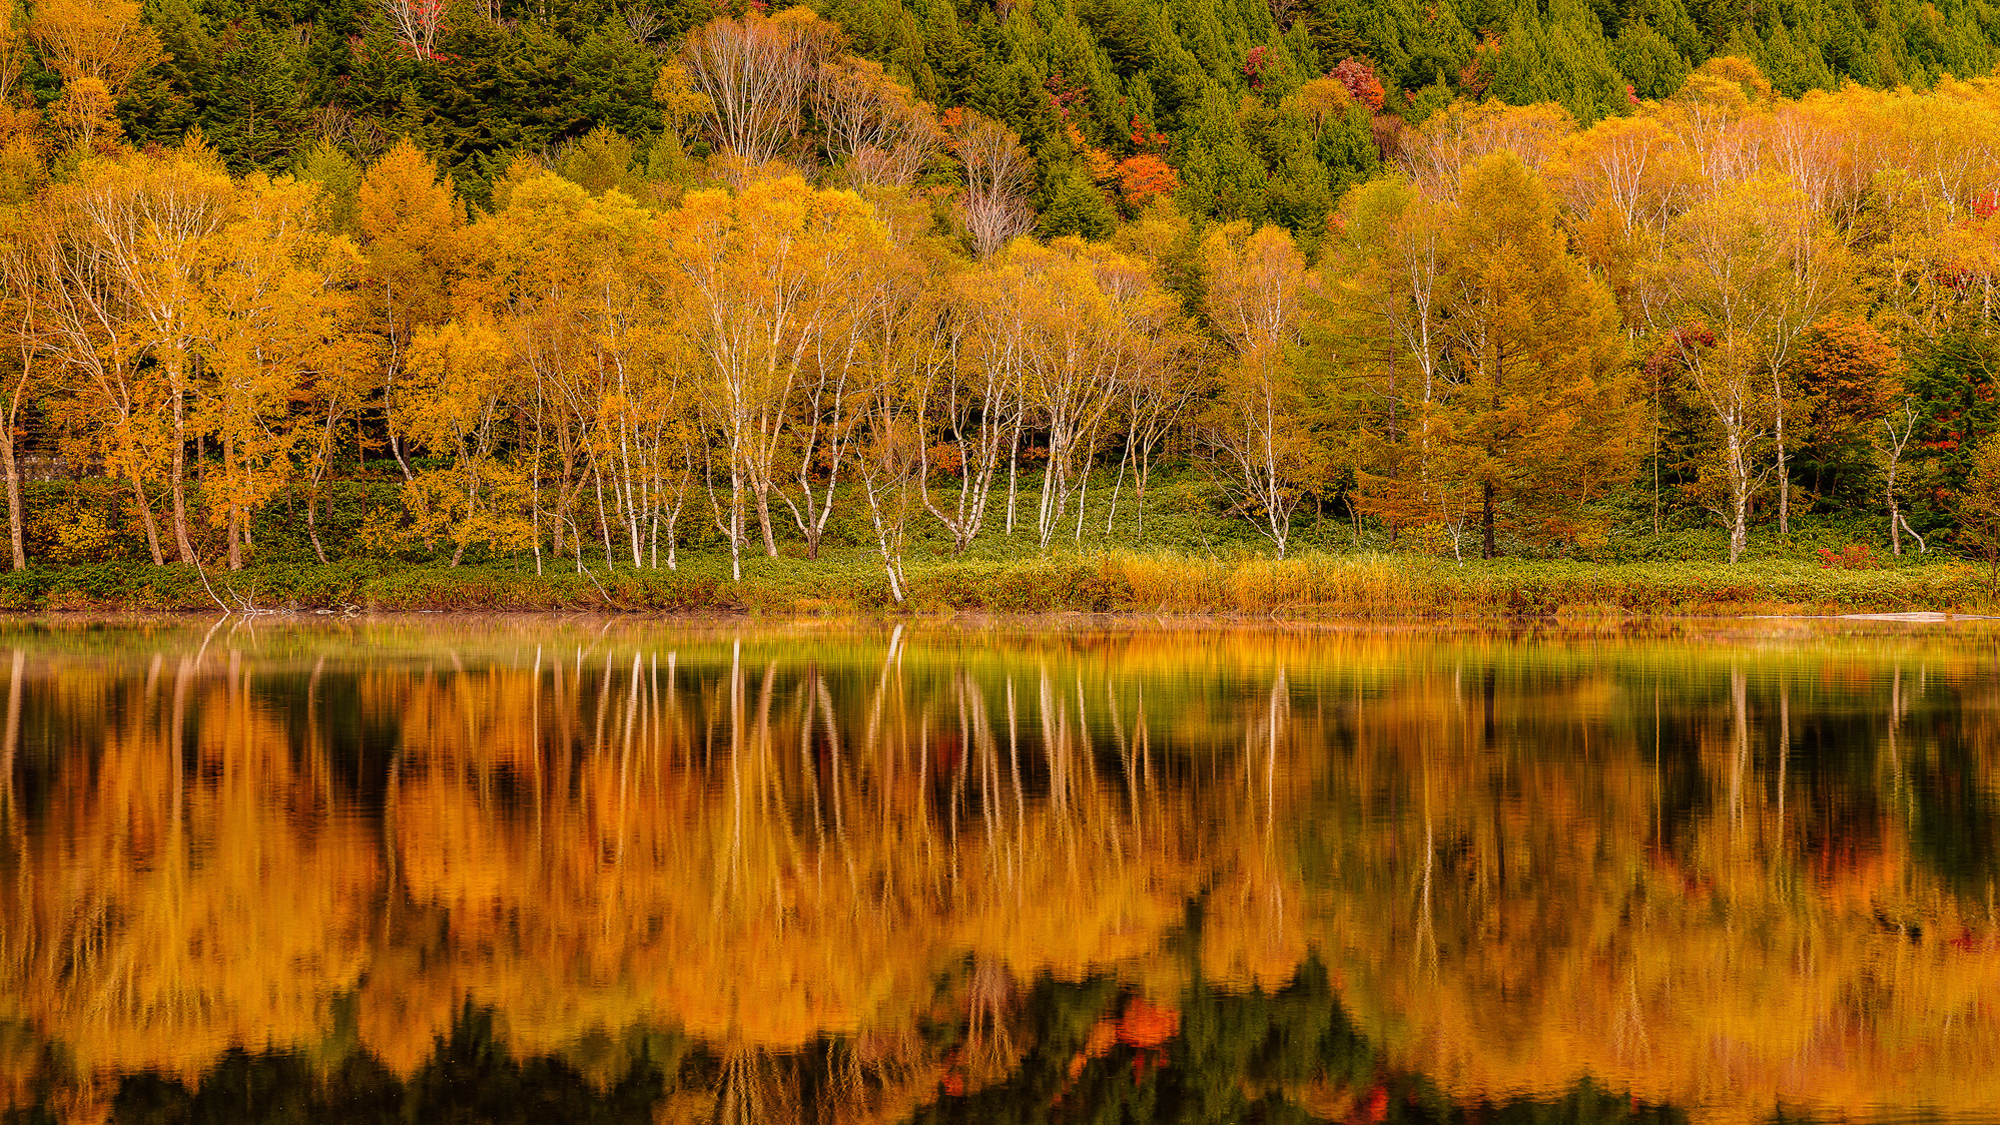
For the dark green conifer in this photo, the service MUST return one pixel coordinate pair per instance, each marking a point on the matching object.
(256, 115)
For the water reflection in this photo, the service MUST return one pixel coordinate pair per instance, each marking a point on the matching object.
(985, 875)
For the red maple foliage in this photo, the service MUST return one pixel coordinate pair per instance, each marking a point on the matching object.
(1144, 178)
(1062, 95)
(1145, 137)
(1475, 78)
(1253, 67)
(1358, 75)
(1854, 556)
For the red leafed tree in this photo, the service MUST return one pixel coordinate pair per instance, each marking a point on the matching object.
(1145, 137)
(1144, 178)
(416, 24)
(1253, 67)
(1359, 78)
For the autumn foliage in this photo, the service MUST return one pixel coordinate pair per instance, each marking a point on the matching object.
(1359, 78)
(1528, 337)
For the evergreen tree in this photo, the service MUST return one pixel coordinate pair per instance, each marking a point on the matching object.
(168, 99)
(1075, 206)
(256, 116)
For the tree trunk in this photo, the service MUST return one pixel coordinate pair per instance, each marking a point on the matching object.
(1488, 549)
(1656, 455)
(235, 510)
(471, 509)
(1784, 477)
(178, 484)
(1082, 489)
(1013, 475)
(603, 522)
(146, 518)
(735, 525)
(15, 517)
(1139, 499)
(312, 524)
(889, 558)
(1119, 484)
(535, 504)
(1739, 497)
(1895, 520)
(389, 385)
(402, 461)
(764, 520)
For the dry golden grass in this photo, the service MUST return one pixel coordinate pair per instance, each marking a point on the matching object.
(1312, 585)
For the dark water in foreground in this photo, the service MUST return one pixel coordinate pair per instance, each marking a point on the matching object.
(438, 870)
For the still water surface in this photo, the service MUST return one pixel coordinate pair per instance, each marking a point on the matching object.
(463, 870)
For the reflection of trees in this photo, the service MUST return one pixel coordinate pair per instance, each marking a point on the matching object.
(468, 1076)
(853, 874)
(187, 884)
(1731, 903)
(1240, 1056)
(1280, 1055)
(781, 858)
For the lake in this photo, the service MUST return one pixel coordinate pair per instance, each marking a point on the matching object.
(437, 868)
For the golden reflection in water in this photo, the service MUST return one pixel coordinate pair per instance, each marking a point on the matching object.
(1776, 943)
(1684, 869)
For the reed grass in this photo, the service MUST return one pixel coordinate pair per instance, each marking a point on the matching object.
(1311, 585)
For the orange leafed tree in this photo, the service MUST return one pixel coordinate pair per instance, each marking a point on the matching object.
(1145, 178)
(410, 222)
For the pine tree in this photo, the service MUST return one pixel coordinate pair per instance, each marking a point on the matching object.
(165, 101)
(257, 115)
(1075, 206)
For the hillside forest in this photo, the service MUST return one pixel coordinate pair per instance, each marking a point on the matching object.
(587, 285)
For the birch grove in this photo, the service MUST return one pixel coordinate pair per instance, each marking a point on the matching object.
(820, 315)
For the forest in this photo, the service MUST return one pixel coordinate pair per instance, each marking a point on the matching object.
(582, 287)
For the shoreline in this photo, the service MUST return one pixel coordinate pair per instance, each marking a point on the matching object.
(1312, 587)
